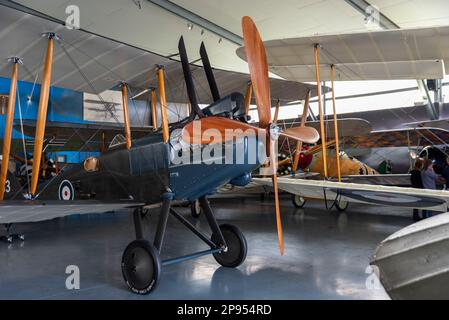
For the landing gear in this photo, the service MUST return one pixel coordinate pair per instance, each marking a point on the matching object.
(195, 209)
(145, 213)
(141, 267)
(341, 205)
(235, 253)
(11, 237)
(298, 201)
(141, 264)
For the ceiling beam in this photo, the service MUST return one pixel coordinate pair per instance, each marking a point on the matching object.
(198, 21)
(362, 6)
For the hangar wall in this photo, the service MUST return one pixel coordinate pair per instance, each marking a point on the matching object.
(64, 106)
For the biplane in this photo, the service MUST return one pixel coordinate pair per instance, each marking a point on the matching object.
(145, 172)
(382, 55)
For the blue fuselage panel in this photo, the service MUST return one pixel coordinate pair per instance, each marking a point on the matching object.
(193, 180)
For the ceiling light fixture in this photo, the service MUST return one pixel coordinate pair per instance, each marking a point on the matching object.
(190, 26)
(140, 94)
(138, 3)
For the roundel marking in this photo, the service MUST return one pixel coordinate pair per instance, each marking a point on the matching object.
(66, 191)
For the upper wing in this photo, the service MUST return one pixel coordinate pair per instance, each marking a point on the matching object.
(400, 138)
(346, 127)
(397, 70)
(374, 55)
(440, 123)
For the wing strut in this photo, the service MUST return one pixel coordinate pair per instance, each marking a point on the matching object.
(320, 105)
(126, 115)
(163, 102)
(8, 126)
(337, 142)
(303, 124)
(42, 113)
(153, 109)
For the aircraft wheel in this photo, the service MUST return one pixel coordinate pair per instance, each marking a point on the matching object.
(141, 267)
(298, 201)
(237, 248)
(7, 239)
(195, 209)
(342, 205)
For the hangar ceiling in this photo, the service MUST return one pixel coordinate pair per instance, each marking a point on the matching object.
(144, 24)
(104, 63)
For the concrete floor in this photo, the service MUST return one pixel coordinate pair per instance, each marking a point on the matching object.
(326, 255)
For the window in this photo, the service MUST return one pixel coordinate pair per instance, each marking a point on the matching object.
(62, 159)
(4, 99)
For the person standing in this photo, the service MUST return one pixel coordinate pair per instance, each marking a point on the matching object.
(429, 180)
(416, 181)
(446, 173)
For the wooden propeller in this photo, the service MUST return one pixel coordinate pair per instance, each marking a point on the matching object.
(258, 68)
(302, 134)
(209, 130)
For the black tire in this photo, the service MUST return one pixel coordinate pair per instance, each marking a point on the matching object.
(141, 267)
(298, 201)
(342, 206)
(195, 209)
(237, 249)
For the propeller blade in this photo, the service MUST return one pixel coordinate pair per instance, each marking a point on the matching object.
(209, 130)
(209, 73)
(302, 134)
(258, 68)
(273, 161)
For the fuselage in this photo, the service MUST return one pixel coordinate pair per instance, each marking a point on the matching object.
(151, 168)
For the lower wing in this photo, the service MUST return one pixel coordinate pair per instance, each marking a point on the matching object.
(35, 211)
(365, 193)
